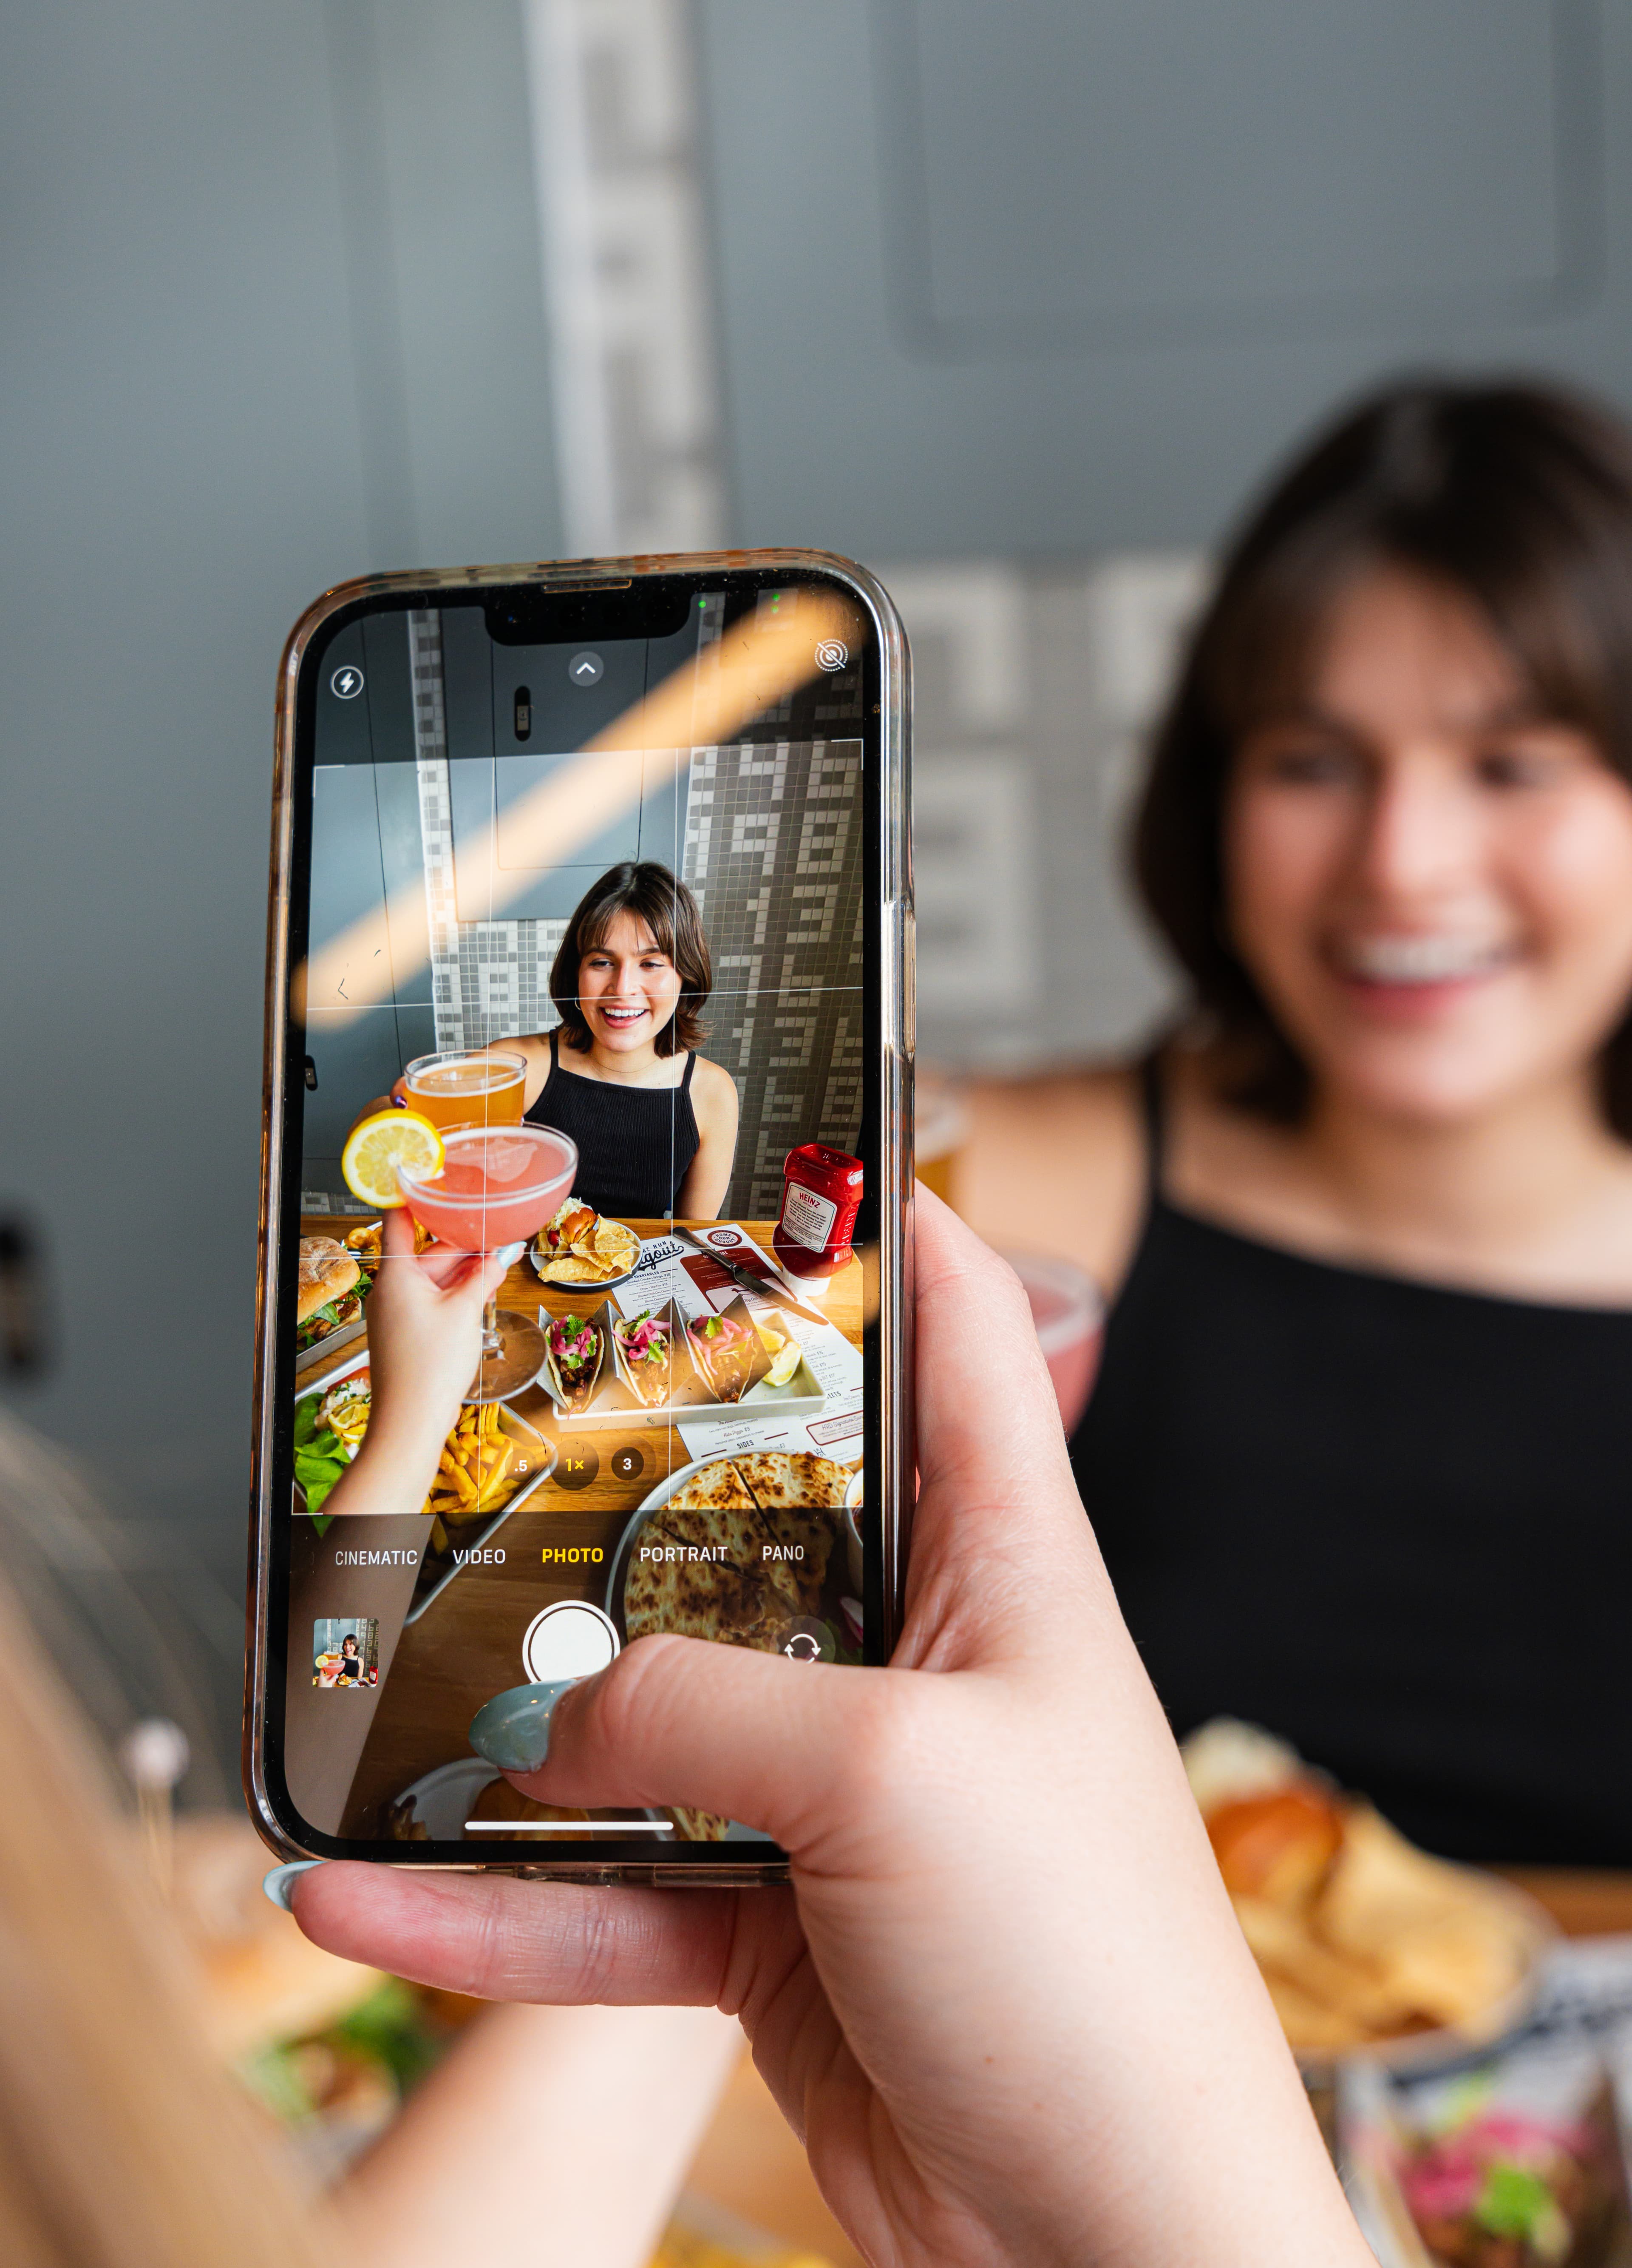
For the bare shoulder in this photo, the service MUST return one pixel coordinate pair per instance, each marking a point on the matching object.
(713, 1093)
(1058, 1164)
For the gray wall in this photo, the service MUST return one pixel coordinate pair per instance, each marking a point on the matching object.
(269, 290)
(1063, 275)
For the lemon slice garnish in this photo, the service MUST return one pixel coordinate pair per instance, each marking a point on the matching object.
(379, 1145)
(786, 1363)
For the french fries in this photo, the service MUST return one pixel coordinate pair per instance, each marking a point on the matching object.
(480, 1468)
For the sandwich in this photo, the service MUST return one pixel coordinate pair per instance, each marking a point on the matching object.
(332, 1289)
(573, 1351)
(644, 1348)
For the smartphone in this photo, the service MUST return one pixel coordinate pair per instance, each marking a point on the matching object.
(590, 944)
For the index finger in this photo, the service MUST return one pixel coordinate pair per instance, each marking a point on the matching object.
(495, 1938)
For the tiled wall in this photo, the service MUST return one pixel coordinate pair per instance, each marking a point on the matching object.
(772, 855)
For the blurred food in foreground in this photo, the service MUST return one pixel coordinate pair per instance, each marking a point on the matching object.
(1516, 2164)
(1361, 1938)
(330, 2048)
(701, 2235)
(1502, 2190)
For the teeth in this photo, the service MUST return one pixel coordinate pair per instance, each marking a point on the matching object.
(1418, 960)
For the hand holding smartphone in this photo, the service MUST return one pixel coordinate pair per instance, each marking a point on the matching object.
(1006, 2005)
(589, 955)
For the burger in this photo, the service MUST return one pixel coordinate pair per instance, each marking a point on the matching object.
(331, 1292)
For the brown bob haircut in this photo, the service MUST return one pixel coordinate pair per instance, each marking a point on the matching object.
(662, 902)
(1516, 496)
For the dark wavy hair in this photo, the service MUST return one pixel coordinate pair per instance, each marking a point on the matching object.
(1516, 496)
(652, 894)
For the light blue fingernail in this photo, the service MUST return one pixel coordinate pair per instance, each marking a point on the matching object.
(280, 1880)
(512, 1730)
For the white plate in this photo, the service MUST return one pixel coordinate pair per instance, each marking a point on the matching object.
(443, 1798)
(606, 1283)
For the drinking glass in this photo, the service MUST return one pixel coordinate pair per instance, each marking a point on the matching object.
(466, 1086)
(496, 1188)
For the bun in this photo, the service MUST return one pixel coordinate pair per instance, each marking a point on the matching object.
(1277, 1847)
(574, 1221)
(327, 1270)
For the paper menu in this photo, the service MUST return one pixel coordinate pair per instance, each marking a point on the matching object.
(668, 1270)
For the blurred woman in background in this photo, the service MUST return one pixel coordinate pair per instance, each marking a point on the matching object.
(1360, 1453)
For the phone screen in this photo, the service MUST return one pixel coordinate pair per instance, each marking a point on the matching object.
(583, 905)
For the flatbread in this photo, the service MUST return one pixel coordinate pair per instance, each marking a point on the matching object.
(731, 1534)
(798, 1495)
(728, 1526)
(793, 1477)
(647, 1601)
(719, 1485)
(696, 1598)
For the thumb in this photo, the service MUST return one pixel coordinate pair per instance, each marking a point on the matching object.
(769, 1743)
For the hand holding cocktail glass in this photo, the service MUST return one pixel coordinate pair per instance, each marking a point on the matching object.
(474, 1177)
(495, 1190)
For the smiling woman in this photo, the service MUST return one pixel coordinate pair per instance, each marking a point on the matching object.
(654, 1121)
(1358, 1455)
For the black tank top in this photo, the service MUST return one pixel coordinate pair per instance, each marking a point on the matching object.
(635, 1143)
(1389, 1521)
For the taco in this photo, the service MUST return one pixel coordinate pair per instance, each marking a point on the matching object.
(574, 1350)
(643, 1348)
(728, 1351)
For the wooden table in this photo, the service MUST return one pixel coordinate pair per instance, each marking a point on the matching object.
(1584, 1902)
(468, 1644)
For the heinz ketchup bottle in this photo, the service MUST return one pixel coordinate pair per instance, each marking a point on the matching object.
(821, 1191)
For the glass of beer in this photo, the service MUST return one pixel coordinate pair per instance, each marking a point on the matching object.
(466, 1086)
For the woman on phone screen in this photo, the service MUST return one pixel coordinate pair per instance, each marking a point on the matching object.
(1360, 1453)
(655, 1122)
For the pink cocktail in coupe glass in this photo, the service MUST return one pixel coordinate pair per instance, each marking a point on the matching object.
(496, 1187)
